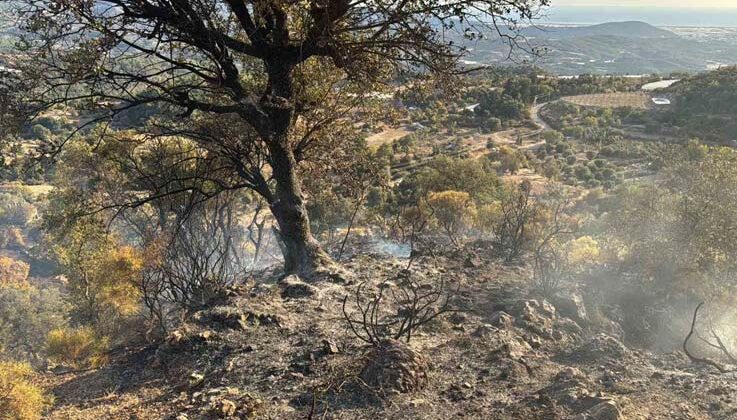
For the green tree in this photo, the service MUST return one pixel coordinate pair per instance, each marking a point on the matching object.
(453, 211)
(102, 276)
(260, 82)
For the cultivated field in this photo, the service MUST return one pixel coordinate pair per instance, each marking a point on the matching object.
(638, 100)
(387, 135)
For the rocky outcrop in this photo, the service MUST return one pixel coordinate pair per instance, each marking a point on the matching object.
(536, 316)
(230, 317)
(601, 346)
(571, 305)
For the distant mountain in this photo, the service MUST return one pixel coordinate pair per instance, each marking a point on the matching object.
(611, 48)
(619, 29)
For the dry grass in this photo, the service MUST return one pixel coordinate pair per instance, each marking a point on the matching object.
(387, 135)
(638, 100)
(34, 190)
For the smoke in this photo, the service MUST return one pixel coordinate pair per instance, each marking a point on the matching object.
(388, 247)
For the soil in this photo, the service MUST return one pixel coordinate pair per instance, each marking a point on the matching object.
(504, 354)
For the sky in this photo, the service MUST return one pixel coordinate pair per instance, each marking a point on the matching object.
(700, 4)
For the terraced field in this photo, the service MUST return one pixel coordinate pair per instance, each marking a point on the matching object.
(639, 100)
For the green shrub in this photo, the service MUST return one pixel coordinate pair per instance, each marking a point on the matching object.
(15, 210)
(27, 314)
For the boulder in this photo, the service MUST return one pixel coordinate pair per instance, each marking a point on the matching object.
(571, 305)
(570, 389)
(568, 374)
(567, 326)
(485, 330)
(329, 347)
(61, 369)
(195, 380)
(501, 319)
(226, 408)
(511, 347)
(536, 316)
(230, 317)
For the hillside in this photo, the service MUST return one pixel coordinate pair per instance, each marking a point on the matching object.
(611, 48)
(707, 93)
(212, 209)
(706, 105)
(281, 351)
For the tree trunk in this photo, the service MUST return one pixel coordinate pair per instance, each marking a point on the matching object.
(302, 253)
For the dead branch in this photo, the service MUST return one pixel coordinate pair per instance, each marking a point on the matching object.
(412, 304)
(693, 358)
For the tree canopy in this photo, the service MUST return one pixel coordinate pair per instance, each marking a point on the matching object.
(256, 83)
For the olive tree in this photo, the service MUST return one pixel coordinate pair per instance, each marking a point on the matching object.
(276, 76)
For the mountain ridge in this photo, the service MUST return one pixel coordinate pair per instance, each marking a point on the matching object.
(616, 48)
(627, 29)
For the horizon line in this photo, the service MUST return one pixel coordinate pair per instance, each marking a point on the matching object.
(640, 6)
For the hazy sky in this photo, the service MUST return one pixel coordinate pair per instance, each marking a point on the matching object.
(649, 3)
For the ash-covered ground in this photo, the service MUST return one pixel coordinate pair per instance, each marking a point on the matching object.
(282, 349)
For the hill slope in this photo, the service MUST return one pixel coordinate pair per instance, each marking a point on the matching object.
(266, 353)
(611, 48)
(706, 105)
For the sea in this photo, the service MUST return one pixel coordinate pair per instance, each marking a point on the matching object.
(657, 16)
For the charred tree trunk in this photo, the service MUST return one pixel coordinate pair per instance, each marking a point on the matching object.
(302, 253)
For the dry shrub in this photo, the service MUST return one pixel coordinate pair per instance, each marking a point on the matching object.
(12, 237)
(454, 211)
(13, 272)
(19, 398)
(77, 347)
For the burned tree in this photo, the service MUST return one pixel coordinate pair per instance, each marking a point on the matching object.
(282, 73)
(397, 311)
(387, 318)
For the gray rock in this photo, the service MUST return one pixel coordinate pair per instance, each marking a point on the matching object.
(226, 408)
(536, 317)
(60, 369)
(329, 347)
(601, 346)
(501, 319)
(571, 305)
(485, 330)
(195, 380)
